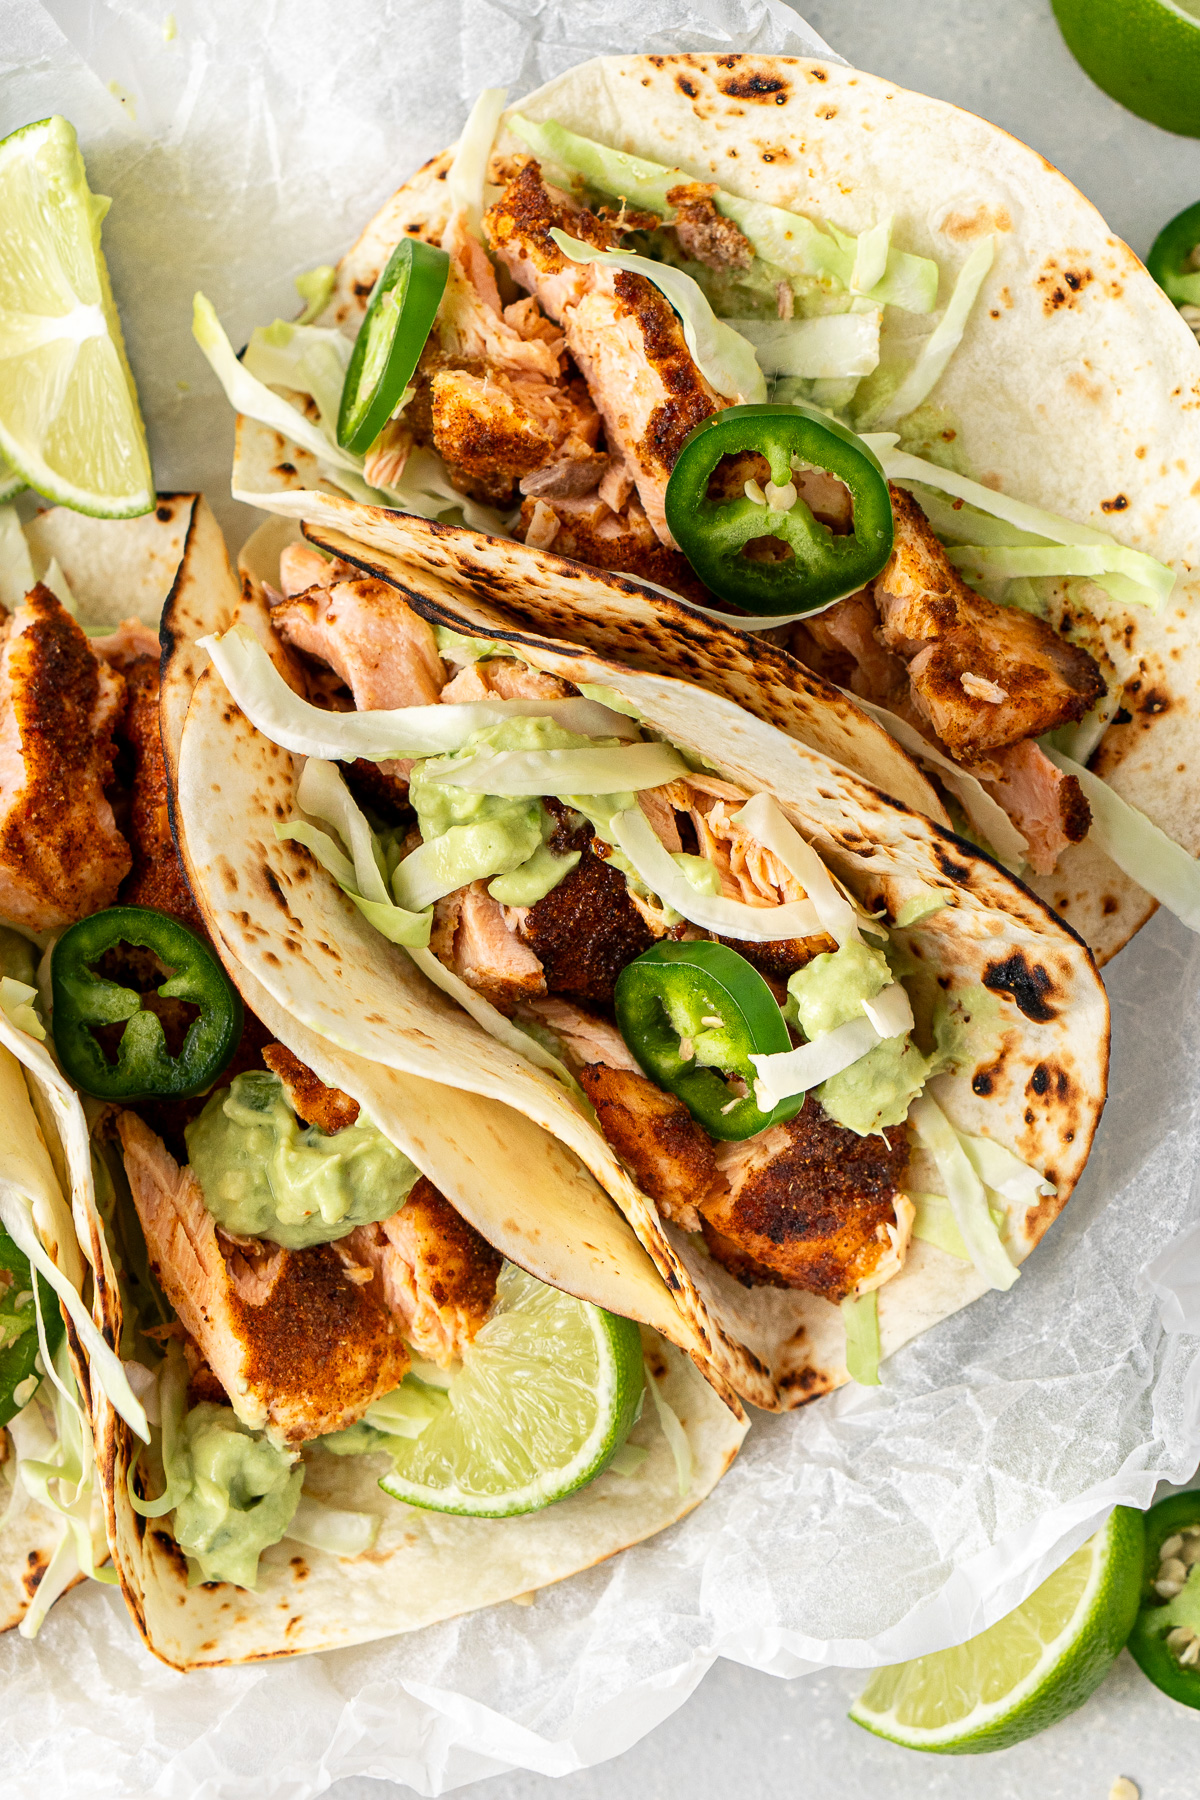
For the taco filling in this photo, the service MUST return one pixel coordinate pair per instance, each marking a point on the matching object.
(659, 937)
(602, 311)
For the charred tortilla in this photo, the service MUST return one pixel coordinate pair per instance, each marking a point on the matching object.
(1074, 386)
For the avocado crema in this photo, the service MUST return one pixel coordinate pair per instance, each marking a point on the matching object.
(468, 836)
(234, 1493)
(878, 1089)
(264, 1174)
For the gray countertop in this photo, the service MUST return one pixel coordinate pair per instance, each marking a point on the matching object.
(746, 1734)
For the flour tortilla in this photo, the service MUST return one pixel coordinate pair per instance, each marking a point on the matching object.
(1036, 1084)
(1075, 386)
(489, 1161)
(425, 1566)
(116, 569)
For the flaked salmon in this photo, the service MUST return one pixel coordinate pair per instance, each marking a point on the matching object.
(704, 234)
(386, 654)
(504, 678)
(299, 1349)
(432, 1270)
(1048, 808)
(585, 1036)
(61, 854)
(488, 954)
(500, 429)
(608, 529)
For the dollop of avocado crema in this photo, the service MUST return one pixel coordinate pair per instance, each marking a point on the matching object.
(264, 1174)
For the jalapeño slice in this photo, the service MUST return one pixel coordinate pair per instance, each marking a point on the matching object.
(18, 1326)
(693, 1015)
(1173, 259)
(399, 318)
(1166, 1632)
(84, 1001)
(772, 555)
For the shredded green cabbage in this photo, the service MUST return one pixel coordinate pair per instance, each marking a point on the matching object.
(964, 1190)
(331, 1528)
(468, 172)
(794, 244)
(833, 346)
(18, 1003)
(424, 488)
(943, 341)
(861, 1319)
(676, 1436)
(722, 355)
(1138, 847)
(324, 795)
(294, 724)
(16, 564)
(1129, 576)
(16, 1215)
(609, 770)
(251, 396)
(54, 1462)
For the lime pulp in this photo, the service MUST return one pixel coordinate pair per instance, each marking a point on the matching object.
(546, 1395)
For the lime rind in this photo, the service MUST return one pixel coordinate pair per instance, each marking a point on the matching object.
(1097, 1590)
(70, 425)
(546, 1396)
(11, 484)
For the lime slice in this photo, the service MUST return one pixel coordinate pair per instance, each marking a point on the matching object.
(69, 419)
(545, 1398)
(1145, 53)
(1028, 1670)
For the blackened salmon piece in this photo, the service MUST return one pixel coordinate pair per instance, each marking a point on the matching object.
(807, 1205)
(984, 676)
(296, 1346)
(585, 930)
(61, 854)
(670, 1157)
(325, 1107)
(775, 961)
(156, 878)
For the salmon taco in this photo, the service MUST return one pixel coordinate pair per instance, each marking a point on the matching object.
(837, 1070)
(332, 1368)
(831, 360)
(78, 683)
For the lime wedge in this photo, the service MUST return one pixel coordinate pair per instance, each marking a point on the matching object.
(69, 419)
(1028, 1670)
(545, 1398)
(1144, 53)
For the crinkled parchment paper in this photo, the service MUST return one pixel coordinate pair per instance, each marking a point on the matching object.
(872, 1526)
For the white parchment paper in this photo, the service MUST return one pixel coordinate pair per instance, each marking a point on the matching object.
(242, 144)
